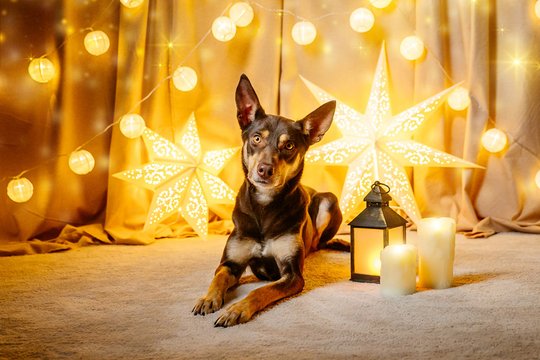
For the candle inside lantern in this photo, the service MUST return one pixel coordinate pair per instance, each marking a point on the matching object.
(436, 246)
(398, 270)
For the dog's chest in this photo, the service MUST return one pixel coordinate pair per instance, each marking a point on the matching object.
(279, 248)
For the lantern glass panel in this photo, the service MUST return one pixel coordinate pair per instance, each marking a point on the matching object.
(368, 244)
(395, 236)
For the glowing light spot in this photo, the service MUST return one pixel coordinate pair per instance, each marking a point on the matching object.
(494, 140)
(96, 42)
(361, 20)
(223, 28)
(41, 70)
(20, 190)
(241, 13)
(412, 47)
(381, 4)
(184, 78)
(81, 162)
(132, 125)
(304, 33)
(459, 99)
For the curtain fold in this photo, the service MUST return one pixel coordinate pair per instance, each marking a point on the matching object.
(491, 46)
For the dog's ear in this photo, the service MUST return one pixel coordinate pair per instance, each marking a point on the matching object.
(248, 107)
(317, 123)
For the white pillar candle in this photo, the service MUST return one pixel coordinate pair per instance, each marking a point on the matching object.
(398, 269)
(436, 244)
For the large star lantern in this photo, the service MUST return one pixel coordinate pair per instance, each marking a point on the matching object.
(376, 145)
(184, 179)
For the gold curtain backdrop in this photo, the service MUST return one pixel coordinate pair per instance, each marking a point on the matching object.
(492, 47)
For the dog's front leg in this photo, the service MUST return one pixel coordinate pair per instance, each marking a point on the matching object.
(214, 298)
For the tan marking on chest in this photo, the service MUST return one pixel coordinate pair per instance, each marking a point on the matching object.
(282, 247)
(241, 250)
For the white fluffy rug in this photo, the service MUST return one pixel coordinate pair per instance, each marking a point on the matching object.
(134, 302)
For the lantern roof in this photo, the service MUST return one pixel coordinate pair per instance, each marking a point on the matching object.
(377, 214)
(378, 194)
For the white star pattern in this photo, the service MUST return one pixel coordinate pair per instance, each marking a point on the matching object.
(377, 145)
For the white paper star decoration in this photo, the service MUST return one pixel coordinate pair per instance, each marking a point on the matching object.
(183, 179)
(376, 145)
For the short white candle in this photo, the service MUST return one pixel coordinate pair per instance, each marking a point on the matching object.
(398, 270)
(436, 244)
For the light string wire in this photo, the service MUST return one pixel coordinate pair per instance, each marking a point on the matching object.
(279, 12)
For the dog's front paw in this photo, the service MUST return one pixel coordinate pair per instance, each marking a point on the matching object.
(207, 305)
(235, 314)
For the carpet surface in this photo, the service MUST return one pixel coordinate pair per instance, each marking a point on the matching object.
(134, 302)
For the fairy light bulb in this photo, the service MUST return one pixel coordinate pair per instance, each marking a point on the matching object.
(81, 162)
(380, 4)
(241, 13)
(132, 125)
(537, 8)
(223, 28)
(494, 140)
(96, 42)
(184, 78)
(459, 99)
(41, 70)
(303, 32)
(412, 47)
(361, 20)
(20, 190)
(131, 3)
(537, 179)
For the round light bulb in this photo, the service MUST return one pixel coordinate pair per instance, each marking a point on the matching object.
(132, 125)
(184, 78)
(537, 8)
(361, 20)
(41, 70)
(81, 162)
(494, 140)
(459, 99)
(380, 3)
(241, 13)
(412, 47)
(131, 3)
(537, 179)
(96, 42)
(20, 190)
(304, 32)
(223, 28)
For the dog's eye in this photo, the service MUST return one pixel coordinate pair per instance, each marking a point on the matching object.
(256, 138)
(289, 145)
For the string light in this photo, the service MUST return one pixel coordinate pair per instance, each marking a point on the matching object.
(459, 99)
(41, 70)
(96, 42)
(494, 140)
(537, 8)
(412, 47)
(184, 78)
(361, 20)
(241, 13)
(381, 4)
(223, 28)
(132, 125)
(20, 190)
(304, 32)
(131, 3)
(81, 162)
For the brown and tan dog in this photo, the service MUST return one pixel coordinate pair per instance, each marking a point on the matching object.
(277, 221)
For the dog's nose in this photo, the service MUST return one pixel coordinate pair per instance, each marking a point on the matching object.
(265, 171)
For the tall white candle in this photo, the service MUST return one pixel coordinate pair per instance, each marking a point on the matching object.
(398, 269)
(436, 244)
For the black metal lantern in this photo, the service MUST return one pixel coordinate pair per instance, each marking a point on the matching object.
(371, 231)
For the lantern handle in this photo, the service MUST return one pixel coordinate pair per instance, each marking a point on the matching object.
(380, 185)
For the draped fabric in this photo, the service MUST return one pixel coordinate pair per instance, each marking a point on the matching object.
(492, 47)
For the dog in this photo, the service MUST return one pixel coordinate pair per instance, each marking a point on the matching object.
(277, 221)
